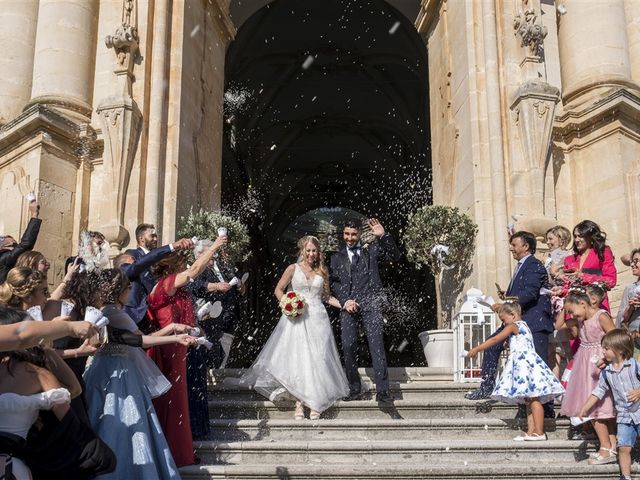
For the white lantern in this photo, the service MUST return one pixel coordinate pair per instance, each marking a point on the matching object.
(472, 325)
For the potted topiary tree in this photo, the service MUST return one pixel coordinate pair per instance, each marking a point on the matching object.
(441, 239)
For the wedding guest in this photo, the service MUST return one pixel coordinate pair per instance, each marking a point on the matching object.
(629, 311)
(529, 277)
(300, 359)
(136, 263)
(23, 332)
(93, 252)
(34, 260)
(558, 239)
(526, 379)
(591, 261)
(595, 322)
(121, 382)
(213, 286)
(10, 249)
(24, 288)
(59, 446)
(170, 302)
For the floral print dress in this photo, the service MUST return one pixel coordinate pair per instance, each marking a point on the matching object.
(525, 374)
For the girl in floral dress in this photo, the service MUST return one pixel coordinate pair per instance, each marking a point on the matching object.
(526, 377)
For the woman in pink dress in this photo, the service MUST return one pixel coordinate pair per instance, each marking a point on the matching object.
(591, 261)
(170, 302)
(594, 323)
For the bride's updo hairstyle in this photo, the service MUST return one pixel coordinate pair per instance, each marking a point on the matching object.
(20, 283)
(319, 267)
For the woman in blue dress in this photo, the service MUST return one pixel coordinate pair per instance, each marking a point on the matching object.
(120, 383)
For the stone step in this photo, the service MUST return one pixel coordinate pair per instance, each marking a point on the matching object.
(277, 430)
(230, 389)
(396, 374)
(457, 407)
(411, 470)
(358, 452)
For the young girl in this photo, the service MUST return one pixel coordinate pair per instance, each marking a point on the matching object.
(594, 323)
(121, 381)
(526, 377)
(558, 239)
(620, 379)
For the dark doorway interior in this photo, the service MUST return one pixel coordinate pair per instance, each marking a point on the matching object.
(326, 110)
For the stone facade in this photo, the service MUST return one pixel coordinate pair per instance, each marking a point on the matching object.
(112, 111)
(535, 116)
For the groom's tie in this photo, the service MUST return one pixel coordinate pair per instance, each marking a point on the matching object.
(355, 257)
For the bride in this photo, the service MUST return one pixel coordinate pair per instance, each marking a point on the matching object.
(300, 359)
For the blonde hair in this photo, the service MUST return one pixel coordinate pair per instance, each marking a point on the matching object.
(20, 283)
(319, 267)
(562, 233)
(30, 259)
(619, 341)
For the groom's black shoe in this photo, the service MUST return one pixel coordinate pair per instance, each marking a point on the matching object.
(352, 397)
(384, 397)
(478, 394)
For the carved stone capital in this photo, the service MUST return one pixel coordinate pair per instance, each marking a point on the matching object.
(531, 32)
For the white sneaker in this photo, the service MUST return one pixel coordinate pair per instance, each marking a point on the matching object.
(534, 437)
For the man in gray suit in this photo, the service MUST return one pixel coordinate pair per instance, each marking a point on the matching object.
(355, 282)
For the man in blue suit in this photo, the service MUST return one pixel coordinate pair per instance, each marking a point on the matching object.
(136, 262)
(355, 282)
(529, 276)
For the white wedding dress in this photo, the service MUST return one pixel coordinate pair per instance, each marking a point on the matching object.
(300, 359)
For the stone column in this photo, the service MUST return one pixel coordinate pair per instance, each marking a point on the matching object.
(17, 40)
(632, 10)
(63, 66)
(593, 46)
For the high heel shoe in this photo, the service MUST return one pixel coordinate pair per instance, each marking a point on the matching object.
(313, 415)
(299, 413)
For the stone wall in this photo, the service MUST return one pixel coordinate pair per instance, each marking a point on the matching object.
(535, 116)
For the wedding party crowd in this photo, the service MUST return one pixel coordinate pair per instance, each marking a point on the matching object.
(566, 348)
(107, 374)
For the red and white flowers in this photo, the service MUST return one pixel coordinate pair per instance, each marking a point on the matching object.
(292, 304)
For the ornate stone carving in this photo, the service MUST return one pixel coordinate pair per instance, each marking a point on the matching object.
(533, 108)
(527, 27)
(121, 126)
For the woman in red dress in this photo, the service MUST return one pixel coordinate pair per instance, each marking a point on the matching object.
(170, 302)
(592, 260)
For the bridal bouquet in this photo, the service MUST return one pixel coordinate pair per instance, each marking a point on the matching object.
(292, 304)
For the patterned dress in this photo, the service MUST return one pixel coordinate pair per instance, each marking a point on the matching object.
(525, 374)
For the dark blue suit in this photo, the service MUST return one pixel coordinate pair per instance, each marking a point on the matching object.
(364, 286)
(142, 281)
(536, 312)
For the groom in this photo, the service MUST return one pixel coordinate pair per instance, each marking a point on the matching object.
(355, 282)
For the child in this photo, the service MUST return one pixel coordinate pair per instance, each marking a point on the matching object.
(526, 377)
(594, 323)
(557, 239)
(622, 379)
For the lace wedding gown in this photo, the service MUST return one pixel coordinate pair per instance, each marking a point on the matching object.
(300, 359)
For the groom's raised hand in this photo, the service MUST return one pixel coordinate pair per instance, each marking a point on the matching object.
(376, 227)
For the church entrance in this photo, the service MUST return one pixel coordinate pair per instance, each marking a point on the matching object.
(326, 118)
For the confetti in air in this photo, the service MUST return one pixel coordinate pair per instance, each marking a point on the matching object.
(308, 62)
(394, 28)
(195, 31)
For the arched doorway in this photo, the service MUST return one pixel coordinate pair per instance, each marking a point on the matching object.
(326, 107)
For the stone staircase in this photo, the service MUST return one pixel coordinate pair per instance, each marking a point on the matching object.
(429, 432)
